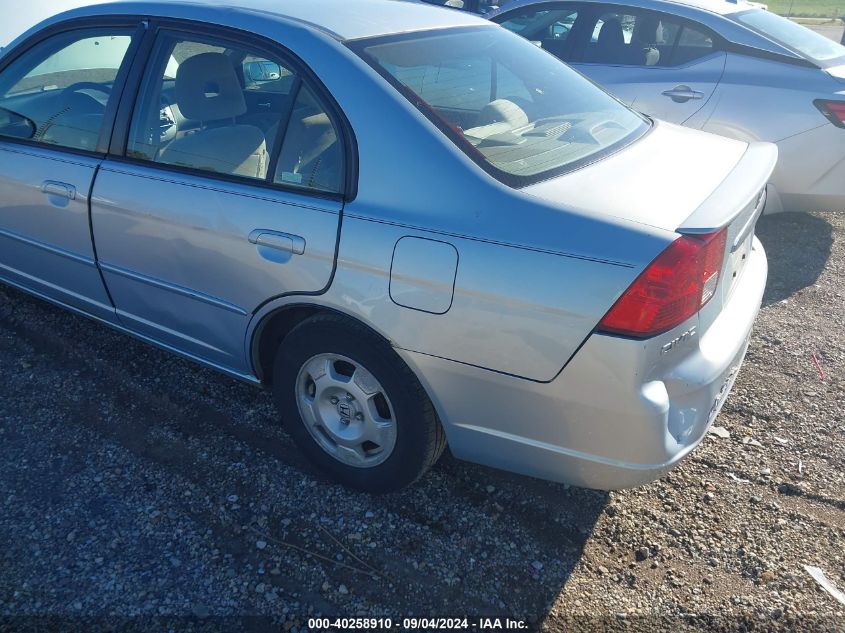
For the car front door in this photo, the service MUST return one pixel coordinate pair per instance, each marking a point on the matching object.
(57, 100)
(226, 192)
(663, 66)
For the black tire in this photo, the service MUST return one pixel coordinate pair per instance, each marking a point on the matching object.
(420, 439)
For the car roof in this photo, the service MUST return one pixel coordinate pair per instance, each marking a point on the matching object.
(722, 7)
(342, 19)
(715, 14)
(719, 7)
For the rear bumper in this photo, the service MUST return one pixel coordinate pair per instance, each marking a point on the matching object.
(611, 419)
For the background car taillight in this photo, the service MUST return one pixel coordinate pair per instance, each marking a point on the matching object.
(833, 110)
(673, 288)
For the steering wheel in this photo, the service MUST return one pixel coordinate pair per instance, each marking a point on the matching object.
(75, 90)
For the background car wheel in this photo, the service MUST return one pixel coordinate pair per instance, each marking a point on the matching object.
(353, 407)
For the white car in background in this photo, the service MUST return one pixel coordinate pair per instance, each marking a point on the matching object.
(723, 67)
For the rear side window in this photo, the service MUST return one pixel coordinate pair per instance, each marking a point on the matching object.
(540, 120)
(645, 38)
(311, 156)
(58, 92)
(215, 106)
(692, 44)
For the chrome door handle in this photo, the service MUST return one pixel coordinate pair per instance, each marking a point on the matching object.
(278, 241)
(680, 94)
(61, 189)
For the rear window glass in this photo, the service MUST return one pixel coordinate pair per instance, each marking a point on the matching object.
(517, 111)
(801, 40)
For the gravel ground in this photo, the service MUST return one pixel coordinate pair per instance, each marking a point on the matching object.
(141, 491)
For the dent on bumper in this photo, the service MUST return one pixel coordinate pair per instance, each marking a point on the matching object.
(607, 421)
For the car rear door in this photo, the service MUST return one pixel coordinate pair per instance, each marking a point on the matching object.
(215, 201)
(664, 66)
(58, 96)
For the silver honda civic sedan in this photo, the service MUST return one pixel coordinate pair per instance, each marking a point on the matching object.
(727, 67)
(414, 226)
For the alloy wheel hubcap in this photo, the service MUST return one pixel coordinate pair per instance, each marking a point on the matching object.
(346, 410)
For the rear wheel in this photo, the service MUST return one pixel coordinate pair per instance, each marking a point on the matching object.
(353, 407)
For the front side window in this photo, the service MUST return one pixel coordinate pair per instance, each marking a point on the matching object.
(58, 92)
(540, 120)
(808, 44)
(218, 107)
(548, 28)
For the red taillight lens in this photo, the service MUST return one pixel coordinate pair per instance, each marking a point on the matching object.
(833, 110)
(673, 288)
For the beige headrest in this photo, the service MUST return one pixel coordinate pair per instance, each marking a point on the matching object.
(503, 111)
(207, 88)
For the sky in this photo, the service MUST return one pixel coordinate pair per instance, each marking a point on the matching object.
(18, 16)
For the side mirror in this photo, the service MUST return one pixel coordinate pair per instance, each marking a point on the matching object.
(16, 125)
(262, 71)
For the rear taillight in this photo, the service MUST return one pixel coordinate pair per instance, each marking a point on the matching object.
(673, 288)
(833, 110)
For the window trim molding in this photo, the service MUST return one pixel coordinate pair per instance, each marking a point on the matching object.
(257, 44)
(133, 24)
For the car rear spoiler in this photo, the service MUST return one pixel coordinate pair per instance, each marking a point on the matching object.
(744, 185)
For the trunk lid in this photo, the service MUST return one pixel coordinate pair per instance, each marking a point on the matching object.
(676, 179)
(684, 181)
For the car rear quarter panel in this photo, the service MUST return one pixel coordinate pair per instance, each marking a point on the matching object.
(514, 310)
(761, 99)
(764, 99)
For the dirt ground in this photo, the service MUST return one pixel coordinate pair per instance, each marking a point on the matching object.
(140, 491)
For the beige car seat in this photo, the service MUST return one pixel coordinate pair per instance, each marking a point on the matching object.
(208, 90)
(497, 117)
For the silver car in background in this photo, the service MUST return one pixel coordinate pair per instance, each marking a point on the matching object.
(415, 228)
(723, 67)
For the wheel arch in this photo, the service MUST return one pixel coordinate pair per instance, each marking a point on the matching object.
(274, 324)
